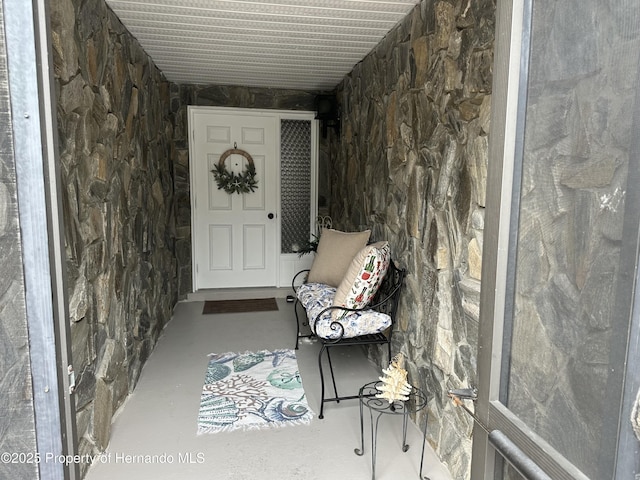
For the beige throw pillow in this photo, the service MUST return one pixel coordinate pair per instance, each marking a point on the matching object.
(334, 255)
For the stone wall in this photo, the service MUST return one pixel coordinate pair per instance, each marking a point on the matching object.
(411, 165)
(115, 139)
(17, 422)
(183, 96)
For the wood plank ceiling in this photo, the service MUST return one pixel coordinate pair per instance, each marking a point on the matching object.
(292, 44)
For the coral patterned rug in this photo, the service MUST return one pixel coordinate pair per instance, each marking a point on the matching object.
(252, 390)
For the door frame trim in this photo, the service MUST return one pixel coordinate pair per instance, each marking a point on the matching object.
(278, 115)
(504, 101)
(35, 140)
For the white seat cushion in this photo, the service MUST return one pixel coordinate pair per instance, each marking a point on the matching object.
(315, 297)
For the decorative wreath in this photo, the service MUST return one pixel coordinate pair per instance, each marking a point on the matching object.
(230, 182)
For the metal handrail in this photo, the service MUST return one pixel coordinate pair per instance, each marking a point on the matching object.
(503, 445)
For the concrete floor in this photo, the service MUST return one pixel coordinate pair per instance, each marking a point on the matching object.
(159, 418)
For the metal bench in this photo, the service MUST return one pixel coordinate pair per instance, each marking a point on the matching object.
(385, 302)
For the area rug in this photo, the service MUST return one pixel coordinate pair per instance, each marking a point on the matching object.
(252, 390)
(240, 306)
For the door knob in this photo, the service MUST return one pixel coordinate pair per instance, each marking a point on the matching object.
(270, 216)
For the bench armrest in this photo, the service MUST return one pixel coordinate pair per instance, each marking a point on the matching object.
(304, 280)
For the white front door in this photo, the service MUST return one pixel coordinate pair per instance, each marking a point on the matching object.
(234, 235)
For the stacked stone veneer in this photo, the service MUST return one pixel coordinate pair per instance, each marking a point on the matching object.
(115, 138)
(411, 165)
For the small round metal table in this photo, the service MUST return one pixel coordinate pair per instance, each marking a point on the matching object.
(378, 407)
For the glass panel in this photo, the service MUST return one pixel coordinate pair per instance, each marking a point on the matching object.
(572, 294)
(295, 171)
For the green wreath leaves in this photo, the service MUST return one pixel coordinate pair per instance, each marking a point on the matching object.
(231, 182)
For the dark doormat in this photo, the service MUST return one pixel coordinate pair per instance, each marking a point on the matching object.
(240, 306)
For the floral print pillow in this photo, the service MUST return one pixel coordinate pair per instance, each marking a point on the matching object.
(363, 277)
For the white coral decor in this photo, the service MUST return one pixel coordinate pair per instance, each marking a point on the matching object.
(394, 383)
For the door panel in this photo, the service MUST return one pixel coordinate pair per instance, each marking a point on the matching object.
(254, 255)
(234, 238)
(257, 199)
(220, 247)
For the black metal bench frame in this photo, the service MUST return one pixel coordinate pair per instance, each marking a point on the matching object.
(385, 301)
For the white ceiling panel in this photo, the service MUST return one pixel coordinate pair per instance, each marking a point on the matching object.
(291, 44)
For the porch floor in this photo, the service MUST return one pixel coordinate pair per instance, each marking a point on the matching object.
(160, 416)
